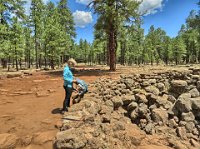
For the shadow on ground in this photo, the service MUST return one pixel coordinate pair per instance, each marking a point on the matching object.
(56, 111)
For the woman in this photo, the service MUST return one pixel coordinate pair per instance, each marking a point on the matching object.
(68, 83)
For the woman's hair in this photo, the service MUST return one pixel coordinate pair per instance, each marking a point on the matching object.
(71, 61)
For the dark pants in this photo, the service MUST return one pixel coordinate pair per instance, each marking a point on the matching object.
(68, 93)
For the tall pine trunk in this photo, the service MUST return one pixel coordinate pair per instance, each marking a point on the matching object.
(36, 47)
(16, 61)
(108, 55)
(122, 58)
(29, 58)
(45, 56)
(112, 48)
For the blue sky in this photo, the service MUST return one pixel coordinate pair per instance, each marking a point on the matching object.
(167, 14)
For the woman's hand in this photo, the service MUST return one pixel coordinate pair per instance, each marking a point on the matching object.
(74, 81)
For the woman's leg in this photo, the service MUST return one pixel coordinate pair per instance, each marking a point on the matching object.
(66, 102)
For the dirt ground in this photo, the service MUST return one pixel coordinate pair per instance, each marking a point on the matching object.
(30, 105)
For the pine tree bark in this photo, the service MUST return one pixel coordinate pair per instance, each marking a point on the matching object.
(16, 61)
(112, 48)
(36, 47)
(122, 58)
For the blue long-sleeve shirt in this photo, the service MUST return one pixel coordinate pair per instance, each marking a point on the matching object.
(68, 77)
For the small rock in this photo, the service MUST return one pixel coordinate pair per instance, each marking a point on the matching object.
(132, 106)
(194, 143)
(141, 98)
(196, 77)
(133, 115)
(188, 117)
(127, 99)
(198, 85)
(171, 98)
(25, 141)
(172, 123)
(106, 118)
(143, 109)
(195, 132)
(136, 91)
(42, 94)
(195, 103)
(149, 129)
(117, 102)
(117, 92)
(145, 83)
(194, 93)
(181, 132)
(143, 123)
(177, 144)
(189, 126)
(109, 103)
(153, 90)
(152, 81)
(159, 115)
(14, 75)
(161, 87)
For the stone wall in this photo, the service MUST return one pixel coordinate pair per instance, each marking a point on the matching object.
(165, 104)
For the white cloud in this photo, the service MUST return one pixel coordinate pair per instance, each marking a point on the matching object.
(147, 6)
(150, 6)
(82, 18)
(85, 2)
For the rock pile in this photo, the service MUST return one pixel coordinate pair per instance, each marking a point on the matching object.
(167, 104)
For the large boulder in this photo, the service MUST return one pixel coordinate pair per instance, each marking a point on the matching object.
(178, 86)
(69, 139)
(183, 104)
(159, 115)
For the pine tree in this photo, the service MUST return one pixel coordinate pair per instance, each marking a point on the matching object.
(179, 49)
(112, 14)
(67, 27)
(66, 19)
(17, 40)
(37, 8)
(53, 35)
(8, 9)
